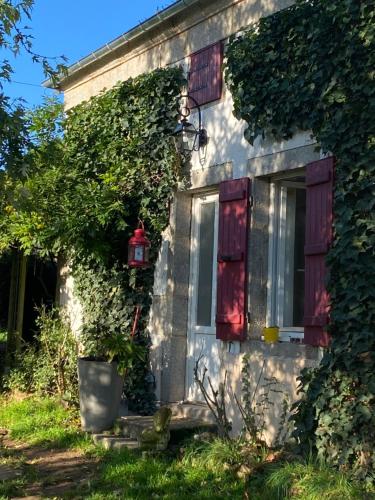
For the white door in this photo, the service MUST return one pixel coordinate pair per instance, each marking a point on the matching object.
(202, 341)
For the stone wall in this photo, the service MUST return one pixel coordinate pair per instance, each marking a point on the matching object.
(283, 361)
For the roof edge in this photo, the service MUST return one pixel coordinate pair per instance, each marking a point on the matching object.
(123, 39)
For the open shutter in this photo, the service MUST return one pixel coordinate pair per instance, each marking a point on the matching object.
(231, 306)
(319, 216)
(205, 75)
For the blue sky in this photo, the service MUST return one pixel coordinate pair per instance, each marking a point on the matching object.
(73, 28)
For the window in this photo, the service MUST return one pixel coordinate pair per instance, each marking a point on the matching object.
(205, 75)
(301, 215)
(201, 339)
(286, 257)
(204, 263)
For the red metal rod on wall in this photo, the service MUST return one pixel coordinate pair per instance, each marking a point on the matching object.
(136, 319)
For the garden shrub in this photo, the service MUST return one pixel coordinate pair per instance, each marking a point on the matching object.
(49, 365)
(21, 376)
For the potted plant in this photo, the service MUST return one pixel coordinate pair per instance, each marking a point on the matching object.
(103, 361)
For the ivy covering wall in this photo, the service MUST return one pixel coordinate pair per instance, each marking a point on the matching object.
(311, 67)
(82, 197)
(122, 152)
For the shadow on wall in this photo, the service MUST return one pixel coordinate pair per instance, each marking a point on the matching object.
(276, 370)
(258, 258)
(160, 334)
(65, 296)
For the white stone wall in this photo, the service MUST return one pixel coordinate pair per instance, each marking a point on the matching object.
(280, 361)
(66, 298)
(227, 143)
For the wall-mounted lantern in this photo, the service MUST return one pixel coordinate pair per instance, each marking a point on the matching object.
(188, 137)
(139, 249)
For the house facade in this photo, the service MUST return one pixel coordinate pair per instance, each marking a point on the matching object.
(248, 230)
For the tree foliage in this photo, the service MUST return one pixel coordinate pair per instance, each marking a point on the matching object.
(29, 197)
(14, 39)
(311, 67)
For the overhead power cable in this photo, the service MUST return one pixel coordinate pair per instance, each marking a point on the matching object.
(26, 83)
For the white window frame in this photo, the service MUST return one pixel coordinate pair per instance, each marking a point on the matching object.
(276, 255)
(199, 200)
(193, 329)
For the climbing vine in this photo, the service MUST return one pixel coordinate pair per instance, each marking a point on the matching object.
(310, 67)
(120, 148)
(85, 193)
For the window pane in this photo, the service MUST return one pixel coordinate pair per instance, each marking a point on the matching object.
(289, 257)
(294, 262)
(205, 262)
(299, 258)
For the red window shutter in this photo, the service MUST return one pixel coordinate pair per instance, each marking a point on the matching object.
(231, 306)
(319, 217)
(205, 75)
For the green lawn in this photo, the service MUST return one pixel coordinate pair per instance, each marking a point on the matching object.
(201, 471)
(41, 422)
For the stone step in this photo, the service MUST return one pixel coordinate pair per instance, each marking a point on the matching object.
(192, 410)
(112, 442)
(132, 426)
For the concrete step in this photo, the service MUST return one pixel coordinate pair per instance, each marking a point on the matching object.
(194, 410)
(132, 426)
(111, 442)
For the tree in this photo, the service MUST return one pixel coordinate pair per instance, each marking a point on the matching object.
(14, 39)
(22, 133)
(19, 136)
(31, 193)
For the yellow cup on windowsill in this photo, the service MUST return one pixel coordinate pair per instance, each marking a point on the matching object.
(271, 334)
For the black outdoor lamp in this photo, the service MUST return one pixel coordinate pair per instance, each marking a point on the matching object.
(188, 138)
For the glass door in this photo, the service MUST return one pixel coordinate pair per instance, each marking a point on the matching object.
(202, 341)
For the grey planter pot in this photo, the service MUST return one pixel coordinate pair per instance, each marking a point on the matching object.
(100, 389)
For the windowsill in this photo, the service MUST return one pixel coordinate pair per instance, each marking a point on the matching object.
(292, 335)
(282, 350)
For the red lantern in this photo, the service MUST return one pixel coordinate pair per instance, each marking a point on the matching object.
(139, 249)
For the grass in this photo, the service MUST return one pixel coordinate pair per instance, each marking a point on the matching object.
(305, 480)
(128, 475)
(197, 471)
(312, 480)
(41, 422)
